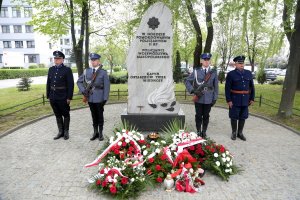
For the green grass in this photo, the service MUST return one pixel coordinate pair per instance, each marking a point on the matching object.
(11, 97)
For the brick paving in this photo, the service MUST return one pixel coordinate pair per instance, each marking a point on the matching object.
(34, 166)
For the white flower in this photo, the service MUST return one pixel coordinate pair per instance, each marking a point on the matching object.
(227, 158)
(123, 130)
(118, 134)
(157, 151)
(223, 155)
(145, 152)
(227, 170)
(111, 139)
(132, 179)
(227, 152)
(163, 142)
(130, 133)
(144, 146)
(191, 170)
(230, 170)
(152, 142)
(156, 144)
(119, 143)
(218, 163)
(216, 155)
(227, 165)
(116, 175)
(173, 147)
(230, 163)
(224, 159)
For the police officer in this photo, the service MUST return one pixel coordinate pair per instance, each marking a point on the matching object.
(99, 94)
(239, 90)
(209, 95)
(60, 87)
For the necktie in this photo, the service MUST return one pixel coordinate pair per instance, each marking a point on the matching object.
(94, 70)
(205, 71)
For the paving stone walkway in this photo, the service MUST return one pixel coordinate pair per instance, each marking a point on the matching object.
(34, 166)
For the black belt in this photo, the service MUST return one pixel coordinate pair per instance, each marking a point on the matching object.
(99, 87)
(57, 88)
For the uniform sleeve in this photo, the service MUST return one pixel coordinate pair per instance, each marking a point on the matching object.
(48, 85)
(189, 81)
(252, 89)
(70, 82)
(228, 87)
(106, 86)
(216, 88)
(80, 83)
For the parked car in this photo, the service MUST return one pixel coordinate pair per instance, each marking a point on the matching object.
(270, 74)
(282, 72)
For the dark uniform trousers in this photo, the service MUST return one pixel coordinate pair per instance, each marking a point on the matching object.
(97, 110)
(60, 108)
(202, 115)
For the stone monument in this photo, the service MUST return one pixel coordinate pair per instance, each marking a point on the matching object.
(151, 97)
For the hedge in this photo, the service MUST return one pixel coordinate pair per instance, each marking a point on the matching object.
(19, 73)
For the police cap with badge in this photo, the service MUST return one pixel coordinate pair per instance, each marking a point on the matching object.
(239, 59)
(94, 56)
(58, 54)
(206, 56)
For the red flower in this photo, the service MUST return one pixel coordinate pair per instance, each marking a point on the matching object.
(124, 180)
(212, 150)
(158, 167)
(98, 182)
(116, 151)
(159, 180)
(142, 141)
(131, 143)
(163, 157)
(151, 160)
(101, 171)
(122, 155)
(104, 183)
(124, 144)
(192, 148)
(131, 148)
(149, 172)
(222, 149)
(207, 147)
(117, 147)
(129, 153)
(113, 189)
(148, 145)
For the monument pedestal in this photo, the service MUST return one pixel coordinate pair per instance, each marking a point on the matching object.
(152, 122)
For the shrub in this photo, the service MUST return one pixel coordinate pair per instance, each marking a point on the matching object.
(117, 68)
(12, 67)
(33, 66)
(41, 65)
(24, 84)
(277, 82)
(117, 80)
(19, 73)
(221, 76)
(261, 76)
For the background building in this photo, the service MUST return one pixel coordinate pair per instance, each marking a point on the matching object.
(20, 45)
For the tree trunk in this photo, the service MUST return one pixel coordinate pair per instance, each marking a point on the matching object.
(209, 25)
(77, 47)
(198, 48)
(298, 84)
(87, 36)
(292, 73)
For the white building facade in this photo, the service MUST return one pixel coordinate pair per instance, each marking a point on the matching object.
(20, 46)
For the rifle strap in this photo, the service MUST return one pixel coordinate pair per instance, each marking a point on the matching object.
(206, 78)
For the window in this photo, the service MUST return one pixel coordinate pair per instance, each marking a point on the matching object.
(17, 28)
(19, 44)
(67, 51)
(67, 41)
(29, 28)
(30, 44)
(4, 12)
(27, 12)
(5, 29)
(61, 42)
(79, 31)
(32, 58)
(50, 46)
(6, 44)
(16, 12)
(1, 55)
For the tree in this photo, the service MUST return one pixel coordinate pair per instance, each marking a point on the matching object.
(177, 76)
(292, 73)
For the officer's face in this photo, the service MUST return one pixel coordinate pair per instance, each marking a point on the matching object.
(239, 65)
(205, 62)
(58, 61)
(95, 62)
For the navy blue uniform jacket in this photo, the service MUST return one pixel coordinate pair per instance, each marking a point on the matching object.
(242, 81)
